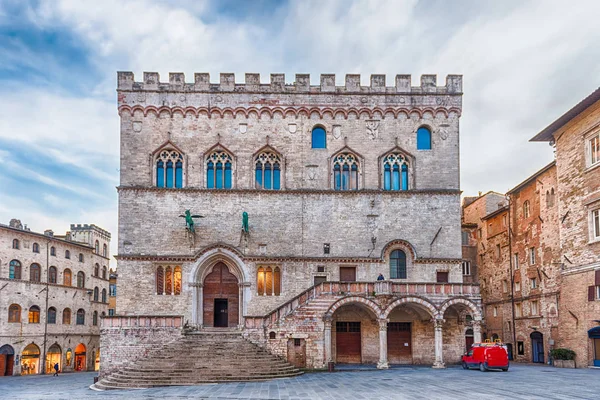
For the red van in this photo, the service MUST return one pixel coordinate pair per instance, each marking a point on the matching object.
(486, 356)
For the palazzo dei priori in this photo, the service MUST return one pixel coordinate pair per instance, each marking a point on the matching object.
(300, 196)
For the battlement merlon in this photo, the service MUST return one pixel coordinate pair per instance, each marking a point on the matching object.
(151, 82)
(89, 227)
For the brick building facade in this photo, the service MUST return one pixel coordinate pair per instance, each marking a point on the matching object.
(53, 292)
(338, 185)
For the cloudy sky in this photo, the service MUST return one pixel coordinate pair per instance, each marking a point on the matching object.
(524, 64)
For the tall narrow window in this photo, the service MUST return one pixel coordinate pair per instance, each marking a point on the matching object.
(80, 279)
(168, 280)
(104, 272)
(15, 244)
(526, 209)
(53, 251)
(67, 277)
(14, 270)
(34, 315)
(398, 264)
(594, 144)
(14, 313)
(52, 315)
(96, 293)
(268, 171)
(218, 170)
(395, 172)
(52, 275)
(104, 250)
(345, 172)
(80, 317)
(95, 318)
(596, 224)
(277, 281)
(66, 318)
(169, 169)
(36, 248)
(80, 257)
(319, 138)
(34, 272)
(67, 254)
(104, 295)
(177, 281)
(423, 139)
(97, 269)
(160, 280)
(97, 247)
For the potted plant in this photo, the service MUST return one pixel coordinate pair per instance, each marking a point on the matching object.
(563, 358)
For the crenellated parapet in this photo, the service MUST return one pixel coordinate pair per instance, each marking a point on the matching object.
(277, 84)
(227, 93)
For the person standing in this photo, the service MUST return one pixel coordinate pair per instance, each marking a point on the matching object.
(55, 369)
(380, 277)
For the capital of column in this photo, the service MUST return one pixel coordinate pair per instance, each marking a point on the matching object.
(195, 284)
(383, 323)
(244, 284)
(328, 320)
(438, 323)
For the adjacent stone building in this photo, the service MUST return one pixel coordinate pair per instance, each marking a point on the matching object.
(576, 138)
(301, 196)
(53, 291)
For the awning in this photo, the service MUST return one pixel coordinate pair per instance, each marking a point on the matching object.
(594, 333)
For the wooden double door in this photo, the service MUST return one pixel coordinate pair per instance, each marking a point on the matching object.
(348, 342)
(220, 298)
(399, 343)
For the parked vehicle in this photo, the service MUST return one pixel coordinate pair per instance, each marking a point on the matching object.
(486, 356)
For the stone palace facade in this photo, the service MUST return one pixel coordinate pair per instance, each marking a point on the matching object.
(304, 194)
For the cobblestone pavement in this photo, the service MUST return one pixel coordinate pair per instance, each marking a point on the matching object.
(521, 382)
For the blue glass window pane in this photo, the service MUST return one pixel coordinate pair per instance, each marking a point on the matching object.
(423, 139)
(258, 175)
(276, 177)
(227, 175)
(398, 264)
(404, 177)
(11, 273)
(345, 177)
(319, 138)
(178, 174)
(160, 174)
(267, 176)
(387, 177)
(337, 177)
(169, 174)
(210, 175)
(354, 177)
(219, 175)
(396, 177)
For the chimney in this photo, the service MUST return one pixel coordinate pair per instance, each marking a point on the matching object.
(15, 223)
(49, 232)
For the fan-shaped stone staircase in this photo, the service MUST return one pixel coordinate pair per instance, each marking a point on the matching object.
(204, 357)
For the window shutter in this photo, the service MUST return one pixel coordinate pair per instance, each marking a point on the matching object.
(597, 281)
(591, 293)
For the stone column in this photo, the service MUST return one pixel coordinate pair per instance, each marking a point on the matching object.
(243, 306)
(196, 303)
(439, 348)
(476, 331)
(383, 359)
(327, 339)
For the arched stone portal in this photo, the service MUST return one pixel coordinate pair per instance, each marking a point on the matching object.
(220, 297)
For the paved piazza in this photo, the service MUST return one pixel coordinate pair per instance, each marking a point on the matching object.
(521, 382)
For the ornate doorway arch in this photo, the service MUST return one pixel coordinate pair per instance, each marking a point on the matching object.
(220, 297)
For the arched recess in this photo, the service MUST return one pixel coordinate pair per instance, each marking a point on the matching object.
(169, 166)
(387, 163)
(461, 303)
(346, 168)
(368, 304)
(203, 267)
(427, 309)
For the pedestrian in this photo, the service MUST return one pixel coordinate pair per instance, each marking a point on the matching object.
(380, 277)
(56, 369)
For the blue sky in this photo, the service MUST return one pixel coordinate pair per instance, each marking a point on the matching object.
(524, 63)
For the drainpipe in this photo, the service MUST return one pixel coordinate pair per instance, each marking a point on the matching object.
(512, 279)
(47, 294)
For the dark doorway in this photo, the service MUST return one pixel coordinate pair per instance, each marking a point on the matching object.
(221, 314)
(469, 339)
(347, 342)
(399, 343)
(297, 352)
(509, 349)
(7, 358)
(347, 274)
(537, 347)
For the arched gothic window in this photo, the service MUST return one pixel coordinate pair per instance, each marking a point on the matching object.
(53, 251)
(36, 248)
(268, 281)
(34, 272)
(168, 280)
(550, 198)
(80, 257)
(14, 270)
(66, 319)
(345, 172)
(52, 275)
(80, 279)
(67, 277)
(395, 172)
(52, 315)
(14, 313)
(104, 295)
(398, 264)
(218, 170)
(526, 209)
(34, 315)
(104, 250)
(319, 138)
(97, 269)
(95, 318)
(80, 317)
(169, 169)
(423, 138)
(67, 254)
(97, 247)
(104, 272)
(268, 170)
(15, 244)
(96, 293)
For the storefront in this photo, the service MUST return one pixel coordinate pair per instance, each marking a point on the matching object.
(53, 356)
(30, 360)
(594, 335)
